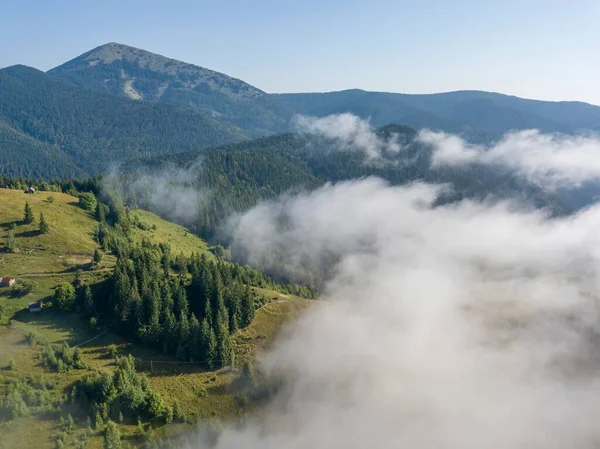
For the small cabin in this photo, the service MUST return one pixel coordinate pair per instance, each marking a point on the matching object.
(36, 306)
(30, 190)
(7, 282)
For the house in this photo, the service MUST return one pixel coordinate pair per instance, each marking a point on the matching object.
(7, 282)
(36, 306)
(30, 190)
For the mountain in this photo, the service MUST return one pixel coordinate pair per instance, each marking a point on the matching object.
(137, 74)
(476, 113)
(50, 128)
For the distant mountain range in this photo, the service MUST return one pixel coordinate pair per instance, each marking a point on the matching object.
(476, 112)
(117, 103)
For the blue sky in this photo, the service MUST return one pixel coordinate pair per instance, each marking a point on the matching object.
(530, 48)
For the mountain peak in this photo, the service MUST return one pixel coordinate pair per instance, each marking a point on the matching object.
(113, 51)
(130, 72)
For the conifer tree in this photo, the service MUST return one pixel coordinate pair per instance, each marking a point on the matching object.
(247, 375)
(112, 436)
(195, 338)
(224, 346)
(234, 307)
(97, 258)
(87, 302)
(11, 241)
(28, 214)
(247, 306)
(209, 344)
(44, 228)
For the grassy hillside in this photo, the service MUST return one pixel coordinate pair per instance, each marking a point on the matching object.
(46, 259)
(55, 258)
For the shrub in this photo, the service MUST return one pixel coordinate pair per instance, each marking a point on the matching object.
(33, 338)
(168, 414)
(62, 358)
(22, 288)
(13, 406)
(177, 412)
(113, 352)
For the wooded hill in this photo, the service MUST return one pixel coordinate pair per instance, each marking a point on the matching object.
(50, 128)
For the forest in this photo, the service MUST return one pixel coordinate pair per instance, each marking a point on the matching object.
(52, 128)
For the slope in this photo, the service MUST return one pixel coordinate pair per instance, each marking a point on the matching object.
(129, 72)
(92, 130)
(22, 155)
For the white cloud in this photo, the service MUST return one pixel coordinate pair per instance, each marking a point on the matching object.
(347, 133)
(548, 159)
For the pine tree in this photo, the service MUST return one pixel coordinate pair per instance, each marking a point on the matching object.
(181, 302)
(98, 421)
(153, 313)
(183, 337)
(44, 228)
(70, 424)
(112, 437)
(225, 353)
(247, 375)
(247, 306)
(87, 302)
(97, 258)
(234, 307)
(209, 344)
(28, 214)
(170, 331)
(11, 241)
(195, 338)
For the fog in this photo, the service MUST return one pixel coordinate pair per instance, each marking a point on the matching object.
(468, 325)
(464, 326)
(171, 192)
